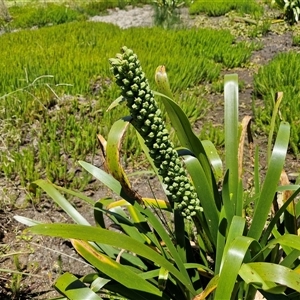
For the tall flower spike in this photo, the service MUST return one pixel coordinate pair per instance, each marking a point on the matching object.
(147, 119)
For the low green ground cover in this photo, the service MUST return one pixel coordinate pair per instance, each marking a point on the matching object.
(35, 13)
(219, 8)
(280, 74)
(56, 80)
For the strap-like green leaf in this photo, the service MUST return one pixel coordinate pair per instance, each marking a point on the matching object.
(113, 269)
(268, 274)
(61, 201)
(106, 179)
(263, 205)
(74, 289)
(236, 229)
(205, 194)
(231, 266)
(214, 159)
(115, 239)
(113, 145)
(231, 98)
(185, 134)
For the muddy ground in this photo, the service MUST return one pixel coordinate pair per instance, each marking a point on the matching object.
(45, 258)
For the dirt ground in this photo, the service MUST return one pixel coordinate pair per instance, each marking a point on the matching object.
(46, 258)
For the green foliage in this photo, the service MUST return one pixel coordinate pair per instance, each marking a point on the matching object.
(41, 15)
(280, 74)
(291, 9)
(93, 8)
(166, 12)
(158, 254)
(54, 93)
(219, 8)
(296, 40)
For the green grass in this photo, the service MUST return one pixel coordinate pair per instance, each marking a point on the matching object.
(219, 8)
(55, 85)
(282, 74)
(29, 15)
(44, 13)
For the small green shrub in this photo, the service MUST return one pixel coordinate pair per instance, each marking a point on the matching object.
(296, 40)
(280, 74)
(219, 8)
(166, 12)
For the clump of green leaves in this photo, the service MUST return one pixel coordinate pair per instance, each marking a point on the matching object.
(219, 8)
(167, 13)
(291, 9)
(42, 15)
(281, 74)
(220, 254)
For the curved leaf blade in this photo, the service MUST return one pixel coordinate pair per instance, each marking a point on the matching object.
(231, 266)
(113, 269)
(74, 289)
(269, 188)
(97, 234)
(114, 140)
(61, 201)
(272, 273)
(204, 192)
(231, 99)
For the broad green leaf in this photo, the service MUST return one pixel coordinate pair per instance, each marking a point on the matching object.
(289, 260)
(79, 195)
(113, 269)
(113, 146)
(227, 203)
(290, 240)
(205, 194)
(107, 179)
(231, 98)
(74, 289)
(263, 205)
(232, 262)
(99, 283)
(221, 240)
(270, 273)
(214, 159)
(186, 135)
(97, 234)
(161, 231)
(61, 201)
(236, 229)
(155, 203)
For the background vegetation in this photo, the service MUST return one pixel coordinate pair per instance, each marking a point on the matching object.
(56, 81)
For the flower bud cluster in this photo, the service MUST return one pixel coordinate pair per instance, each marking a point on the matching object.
(147, 119)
